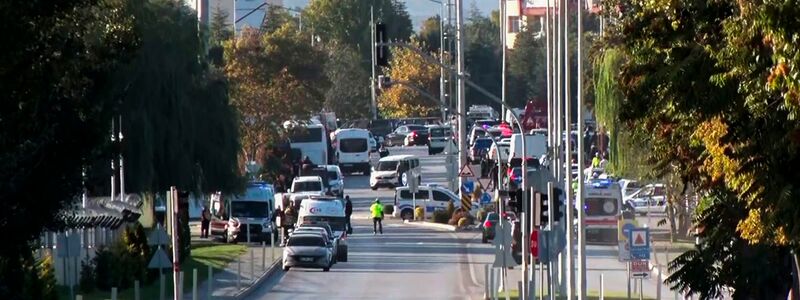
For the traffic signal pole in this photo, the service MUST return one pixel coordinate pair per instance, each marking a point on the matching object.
(581, 160)
(568, 159)
(374, 106)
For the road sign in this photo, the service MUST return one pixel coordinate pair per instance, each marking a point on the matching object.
(468, 187)
(466, 171)
(160, 260)
(639, 241)
(158, 237)
(624, 227)
(486, 198)
(640, 268)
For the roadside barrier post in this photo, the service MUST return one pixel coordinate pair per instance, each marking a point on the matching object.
(194, 284)
(80, 297)
(180, 285)
(263, 256)
(486, 283)
(658, 287)
(272, 246)
(210, 282)
(238, 273)
(113, 293)
(252, 264)
(136, 295)
(602, 288)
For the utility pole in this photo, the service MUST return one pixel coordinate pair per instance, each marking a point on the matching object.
(503, 41)
(374, 106)
(462, 108)
(441, 59)
(568, 160)
(234, 18)
(581, 160)
(549, 81)
(121, 164)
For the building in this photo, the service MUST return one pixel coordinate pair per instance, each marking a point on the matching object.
(518, 12)
(255, 8)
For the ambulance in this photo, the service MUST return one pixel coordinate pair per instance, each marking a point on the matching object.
(603, 203)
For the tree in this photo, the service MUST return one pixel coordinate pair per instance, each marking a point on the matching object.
(57, 98)
(402, 102)
(347, 21)
(219, 28)
(482, 57)
(715, 99)
(430, 34)
(274, 77)
(527, 67)
(349, 95)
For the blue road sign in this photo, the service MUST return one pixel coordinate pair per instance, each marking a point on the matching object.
(468, 187)
(486, 198)
(639, 241)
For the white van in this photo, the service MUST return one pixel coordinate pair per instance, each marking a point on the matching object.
(328, 210)
(603, 203)
(393, 171)
(352, 150)
(233, 217)
(304, 187)
(536, 146)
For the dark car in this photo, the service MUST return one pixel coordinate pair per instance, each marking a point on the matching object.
(398, 136)
(480, 148)
(492, 220)
(418, 136)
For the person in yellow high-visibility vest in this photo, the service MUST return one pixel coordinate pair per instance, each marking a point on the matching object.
(377, 216)
(596, 160)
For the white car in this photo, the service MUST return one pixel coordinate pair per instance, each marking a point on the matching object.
(431, 197)
(304, 187)
(335, 180)
(650, 199)
(629, 186)
(393, 171)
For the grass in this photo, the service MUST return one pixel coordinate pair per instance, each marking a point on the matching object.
(214, 255)
(514, 294)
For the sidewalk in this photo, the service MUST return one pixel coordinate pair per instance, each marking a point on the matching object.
(238, 277)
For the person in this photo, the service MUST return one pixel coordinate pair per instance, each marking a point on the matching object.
(603, 162)
(287, 222)
(348, 211)
(377, 216)
(205, 221)
(596, 160)
(307, 165)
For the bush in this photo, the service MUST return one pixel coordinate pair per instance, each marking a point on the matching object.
(457, 215)
(419, 213)
(463, 222)
(86, 283)
(388, 209)
(47, 277)
(441, 216)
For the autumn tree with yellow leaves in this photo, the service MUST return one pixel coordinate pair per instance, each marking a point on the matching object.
(409, 67)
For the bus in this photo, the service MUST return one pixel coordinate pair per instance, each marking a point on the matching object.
(310, 140)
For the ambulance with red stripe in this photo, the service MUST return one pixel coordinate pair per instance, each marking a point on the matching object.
(603, 202)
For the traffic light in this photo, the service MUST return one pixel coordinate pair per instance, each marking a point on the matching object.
(381, 50)
(540, 209)
(556, 203)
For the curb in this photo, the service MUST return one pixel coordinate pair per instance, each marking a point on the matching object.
(252, 287)
(437, 226)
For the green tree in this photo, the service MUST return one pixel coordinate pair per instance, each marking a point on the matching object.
(219, 28)
(430, 34)
(57, 98)
(349, 95)
(482, 57)
(274, 77)
(347, 21)
(715, 98)
(527, 67)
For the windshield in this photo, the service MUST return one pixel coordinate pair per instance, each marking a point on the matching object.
(353, 145)
(601, 207)
(307, 241)
(419, 129)
(306, 135)
(336, 223)
(333, 175)
(307, 186)
(437, 132)
(387, 165)
(496, 133)
(483, 143)
(257, 192)
(249, 209)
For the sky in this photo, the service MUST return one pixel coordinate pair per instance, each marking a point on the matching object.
(419, 10)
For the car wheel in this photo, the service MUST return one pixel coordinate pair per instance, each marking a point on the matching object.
(484, 239)
(326, 269)
(374, 188)
(342, 255)
(407, 214)
(285, 268)
(404, 179)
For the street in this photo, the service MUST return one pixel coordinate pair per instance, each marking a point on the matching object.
(412, 262)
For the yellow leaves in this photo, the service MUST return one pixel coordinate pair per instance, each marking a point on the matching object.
(410, 68)
(756, 229)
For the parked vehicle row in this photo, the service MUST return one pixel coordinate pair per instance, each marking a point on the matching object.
(319, 239)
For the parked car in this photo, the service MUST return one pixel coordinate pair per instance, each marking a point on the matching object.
(398, 136)
(417, 137)
(438, 136)
(650, 199)
(308, 250)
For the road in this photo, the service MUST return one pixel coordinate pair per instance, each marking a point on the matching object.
(412, 262)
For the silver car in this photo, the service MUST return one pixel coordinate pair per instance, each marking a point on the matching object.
(308, 250)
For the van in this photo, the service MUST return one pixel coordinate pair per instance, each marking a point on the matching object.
(234, 217)
(439, 136)
(393, 171)
(352, 148)
(430, 197)
(536, 146)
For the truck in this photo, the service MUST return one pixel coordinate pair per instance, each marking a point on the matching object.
(233, 217)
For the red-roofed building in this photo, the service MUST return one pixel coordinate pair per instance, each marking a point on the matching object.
(518, 11)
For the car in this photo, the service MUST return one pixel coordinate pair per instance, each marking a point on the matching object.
(398, 136)
(318, 230)
(308, 250)
(438, 136)
(335, 180)
(417, 137)
(326, 213)
(393, 171)
(304, 187)
(652, 198)
(479, 148)
(629, 187)
(475, 133)
(488, 226)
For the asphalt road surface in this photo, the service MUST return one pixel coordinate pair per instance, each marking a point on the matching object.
(412, 262)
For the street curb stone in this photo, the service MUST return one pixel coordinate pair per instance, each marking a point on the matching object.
(432, 225)
(267, 274)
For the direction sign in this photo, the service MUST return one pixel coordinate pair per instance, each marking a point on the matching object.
(466, 171)
(640, 268)
(639, 241)
(486, 198)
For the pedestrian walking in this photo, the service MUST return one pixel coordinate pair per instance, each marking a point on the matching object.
(205, 221)
(377, 216)
(348, 211)
(288, 222)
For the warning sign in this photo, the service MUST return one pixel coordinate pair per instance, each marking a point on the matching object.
(466, 171)
(639, 239)
(639, 242)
